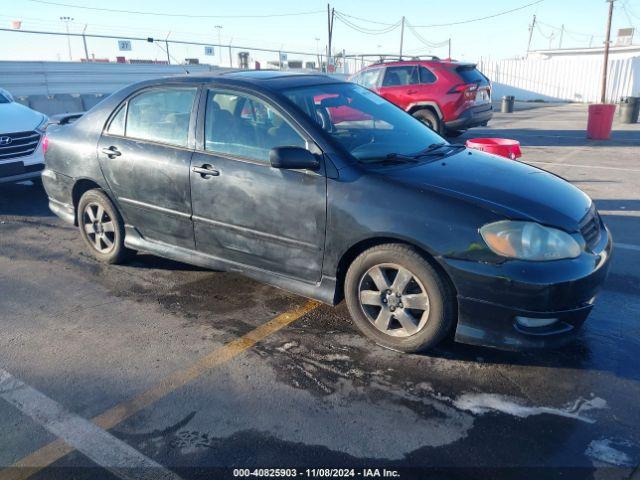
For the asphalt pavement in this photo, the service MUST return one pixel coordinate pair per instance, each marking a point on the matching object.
(156, 369)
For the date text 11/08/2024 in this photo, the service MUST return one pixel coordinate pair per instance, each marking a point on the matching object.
(316, 472)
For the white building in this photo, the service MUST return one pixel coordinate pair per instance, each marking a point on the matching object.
(568, 74)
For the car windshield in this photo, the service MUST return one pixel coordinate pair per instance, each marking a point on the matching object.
(366, 125)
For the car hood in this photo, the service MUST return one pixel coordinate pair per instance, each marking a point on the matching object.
(507, 187)
(15, 117)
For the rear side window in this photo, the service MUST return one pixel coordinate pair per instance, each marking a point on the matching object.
(427, 76)
(161, 115)
(395, 76)
(470, 74)
(117, 124)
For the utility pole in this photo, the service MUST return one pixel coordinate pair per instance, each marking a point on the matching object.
(533, 24)
(605, 63)
(66, 21)
(449, 48)
(330, 15)
(84, 41)
(561, 35)
(219, 28)
(166, 44)
(401, 36)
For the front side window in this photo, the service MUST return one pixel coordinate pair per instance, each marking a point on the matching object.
(370, 78)
(366, 125)
(244, 126)
(397, 76)
(161, 115)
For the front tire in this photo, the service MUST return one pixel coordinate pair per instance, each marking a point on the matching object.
(398, 299)
(101, 227)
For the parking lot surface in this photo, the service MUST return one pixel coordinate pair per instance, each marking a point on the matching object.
(156, 369)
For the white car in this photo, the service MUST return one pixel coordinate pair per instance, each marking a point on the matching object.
(21, 133)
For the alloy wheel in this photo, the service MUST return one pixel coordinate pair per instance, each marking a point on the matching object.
(394, 300)
(99, 227)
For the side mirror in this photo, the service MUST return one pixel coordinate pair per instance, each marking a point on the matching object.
(293, 158)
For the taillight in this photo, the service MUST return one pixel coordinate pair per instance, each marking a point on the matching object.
(468, 89)
(45, 144)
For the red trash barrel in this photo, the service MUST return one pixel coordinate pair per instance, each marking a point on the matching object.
(503, 147)
(600, 121)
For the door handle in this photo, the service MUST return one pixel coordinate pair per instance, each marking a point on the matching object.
(111, 152)
(206, 171)
(411, 92)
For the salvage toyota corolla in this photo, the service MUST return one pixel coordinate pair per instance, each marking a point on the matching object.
(325, 189)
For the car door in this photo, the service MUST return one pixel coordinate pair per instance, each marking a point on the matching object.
(245, 211)
(145, 155)
(399, 84)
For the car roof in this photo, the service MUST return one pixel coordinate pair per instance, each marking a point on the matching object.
(266, 79)
(400, 63)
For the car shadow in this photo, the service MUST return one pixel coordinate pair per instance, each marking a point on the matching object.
(24, 199)
(147, 261)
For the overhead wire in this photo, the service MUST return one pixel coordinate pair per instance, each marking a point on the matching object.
(423, 40)
(366, 30)
(477, 19)
(165, 14)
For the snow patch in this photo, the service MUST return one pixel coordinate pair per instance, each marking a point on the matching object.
(481, 403)
(603, 451)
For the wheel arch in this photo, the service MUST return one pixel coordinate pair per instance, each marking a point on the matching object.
(357, 248)
(80, 187)
(432, 106)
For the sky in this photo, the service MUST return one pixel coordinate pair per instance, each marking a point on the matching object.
(500, 37)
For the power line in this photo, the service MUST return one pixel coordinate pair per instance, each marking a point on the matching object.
(424, 40)
(164, 14)
(366, 30)
(568, 31)
(480, 18)
(364, 19)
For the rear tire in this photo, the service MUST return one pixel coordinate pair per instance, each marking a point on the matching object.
(398, 299)
(101, 227)
(430, 119)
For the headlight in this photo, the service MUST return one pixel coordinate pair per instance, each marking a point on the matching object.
(529, 241)
(42, 126)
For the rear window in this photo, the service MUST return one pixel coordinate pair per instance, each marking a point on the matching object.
(470, 74)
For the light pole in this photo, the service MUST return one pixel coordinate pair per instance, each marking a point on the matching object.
(219, 28)
(66, 21)
(318, 53)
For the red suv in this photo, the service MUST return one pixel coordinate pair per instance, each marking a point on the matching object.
(448, 96)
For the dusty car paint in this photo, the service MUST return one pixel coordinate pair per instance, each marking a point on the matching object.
(300, 229)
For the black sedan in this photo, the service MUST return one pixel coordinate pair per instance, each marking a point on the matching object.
(323, 188)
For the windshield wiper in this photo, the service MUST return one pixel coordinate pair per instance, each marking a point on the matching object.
(415, 157)
(435, 147)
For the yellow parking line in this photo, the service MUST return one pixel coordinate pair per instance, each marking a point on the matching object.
(45, 456)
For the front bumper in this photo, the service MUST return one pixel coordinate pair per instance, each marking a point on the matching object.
(22, 168)
(490, 297)
(472, 117)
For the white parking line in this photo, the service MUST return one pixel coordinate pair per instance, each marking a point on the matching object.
(560, 164)
(97, 444)
(627, 246)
